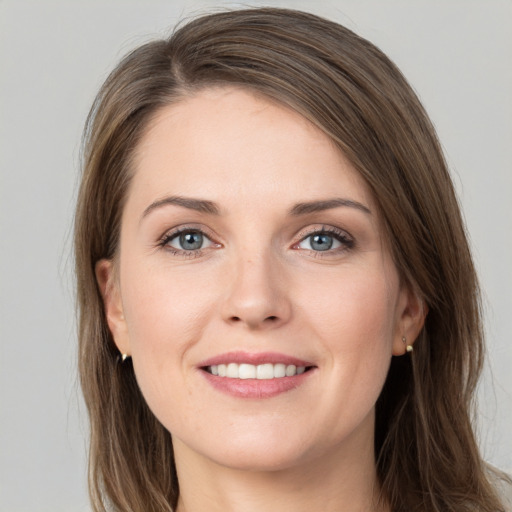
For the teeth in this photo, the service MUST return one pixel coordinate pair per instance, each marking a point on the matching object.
(265, 371)
(291, 370)
(279, 370)
(232, 371)
(249, 371)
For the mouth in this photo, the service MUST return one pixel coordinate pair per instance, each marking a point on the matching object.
(260, 375)
(264, 371)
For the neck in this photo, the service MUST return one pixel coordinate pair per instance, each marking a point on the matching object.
(343, 480)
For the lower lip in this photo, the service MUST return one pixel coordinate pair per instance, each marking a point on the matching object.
(256, 388)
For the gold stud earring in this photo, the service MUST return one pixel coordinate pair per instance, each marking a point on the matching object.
(124, 357)
(408, 348)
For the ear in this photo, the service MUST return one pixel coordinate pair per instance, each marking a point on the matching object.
(411, 313)
(109, 288)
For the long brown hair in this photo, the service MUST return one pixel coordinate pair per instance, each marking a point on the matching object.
(426, 454)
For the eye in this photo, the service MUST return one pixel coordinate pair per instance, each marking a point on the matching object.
(187, 240)
(319, 242)
(326, 240)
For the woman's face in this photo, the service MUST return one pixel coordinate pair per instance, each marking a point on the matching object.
(255, 292)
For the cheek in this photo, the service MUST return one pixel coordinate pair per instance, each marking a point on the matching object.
(165, 308)
(166, 314)
(354, 319)
(354, 310)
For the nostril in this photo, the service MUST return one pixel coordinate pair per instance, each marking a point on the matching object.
(253, 322)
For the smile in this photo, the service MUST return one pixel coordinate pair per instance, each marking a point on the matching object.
(250, 371)
(256, 375)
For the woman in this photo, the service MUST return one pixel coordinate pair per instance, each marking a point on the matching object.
(277, 300)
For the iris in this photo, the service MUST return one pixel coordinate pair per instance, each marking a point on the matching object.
(191, 240)
(321, 242)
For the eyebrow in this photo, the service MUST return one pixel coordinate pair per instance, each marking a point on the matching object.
(205, 206)
(328, 204)
(200, 205)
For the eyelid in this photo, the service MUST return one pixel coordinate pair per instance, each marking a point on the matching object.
(323, 228)
(176, 237)
(344, 237)
(174, 232)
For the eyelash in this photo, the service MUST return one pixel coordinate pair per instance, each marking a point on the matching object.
(346, 241)
(341, 236)
(164, 242)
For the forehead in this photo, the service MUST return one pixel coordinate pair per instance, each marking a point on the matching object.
(229, 142)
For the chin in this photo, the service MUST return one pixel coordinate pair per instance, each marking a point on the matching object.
(261, 451)
(260, 460)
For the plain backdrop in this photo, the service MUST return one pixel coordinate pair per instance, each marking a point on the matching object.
(54, 56)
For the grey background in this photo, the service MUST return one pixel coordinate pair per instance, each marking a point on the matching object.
(53, 57)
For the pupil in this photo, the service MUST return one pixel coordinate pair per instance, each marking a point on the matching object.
(321, 242)
(191, 241)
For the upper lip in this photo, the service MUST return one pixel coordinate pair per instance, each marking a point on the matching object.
(255, 359)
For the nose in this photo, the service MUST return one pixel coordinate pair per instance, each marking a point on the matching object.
(258, 295)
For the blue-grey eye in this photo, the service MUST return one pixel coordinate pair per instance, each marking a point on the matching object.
(189, 241)
(320, 242)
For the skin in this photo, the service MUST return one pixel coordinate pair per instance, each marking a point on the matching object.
(257, 285)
